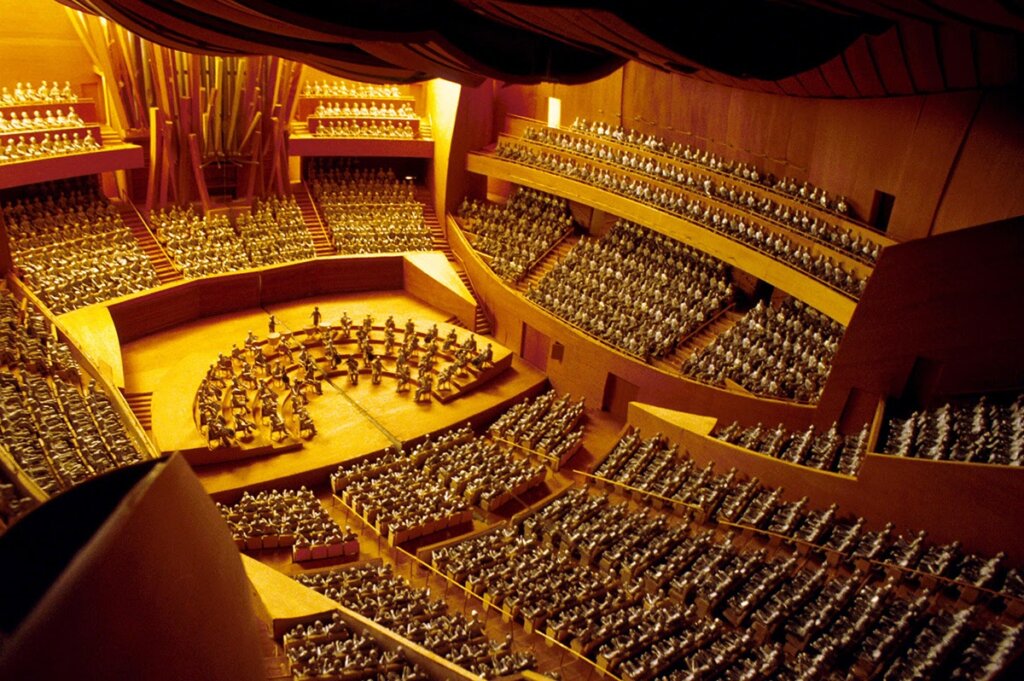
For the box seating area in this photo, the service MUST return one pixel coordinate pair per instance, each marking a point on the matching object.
(517, 234)
(985, 429)
(783, 352)
(367, 211)
(828, 451)
(552, 152)
(287, 519)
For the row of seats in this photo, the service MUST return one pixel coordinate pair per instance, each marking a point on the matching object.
(654, 466)
(377, 593)
(383, 129)
(392, 493)
(73, 249)
(26, 342)
(345, 88)
(434, 487)
(59, 430)
(46, 93)
(784, 352)
(369, 211)
(273, 232)
(987, 429)
(41, 121)
(287, 518)
(363, 110)
(635, 289)
(828, 451)
(13, 502)
(21, 148)
(331, 651)
(805, 192)
(647, 599)
(519, 233)
(736, 224)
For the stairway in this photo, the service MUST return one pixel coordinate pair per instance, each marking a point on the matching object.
(437, 233)
(547, 263)
(674, 361)
(481, 324)
(165, 269)
(321, 241)
(141, 405)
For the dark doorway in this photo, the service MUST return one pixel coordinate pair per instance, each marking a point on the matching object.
(618, 393)
(881, 210)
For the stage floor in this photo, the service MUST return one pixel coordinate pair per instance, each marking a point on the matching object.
(351, 420)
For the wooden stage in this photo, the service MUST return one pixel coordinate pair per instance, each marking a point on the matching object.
(352, 420)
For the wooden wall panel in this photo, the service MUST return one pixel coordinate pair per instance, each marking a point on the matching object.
(178, 304)
(987, 182)
(601, 99)
(909, 147)
(38, 42)
(932, 148)
(949, 301)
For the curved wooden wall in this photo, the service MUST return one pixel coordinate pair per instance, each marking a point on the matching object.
(175, 304)
(940, 155)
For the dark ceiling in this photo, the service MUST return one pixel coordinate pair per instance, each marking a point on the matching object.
(816, 48)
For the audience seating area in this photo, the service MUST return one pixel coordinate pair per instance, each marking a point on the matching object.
(285, 519)
(377, 593)
(554, 151)
(331, 651)
(739, 184)
(369, 211)
(435, 486)
(272, 233)
(548, 425)
(71, 247)
(645, 597)
(784, 352)
(58, 429)
(635, 289)
(987, 429)
(519, 233)
(828, 451)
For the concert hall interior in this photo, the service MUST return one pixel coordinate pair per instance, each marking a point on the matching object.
(522, 340)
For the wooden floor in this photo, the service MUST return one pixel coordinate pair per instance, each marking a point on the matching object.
(352, 420)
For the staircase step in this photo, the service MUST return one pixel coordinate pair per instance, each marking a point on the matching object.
(165, 269)
(322, 244)
(141, 405)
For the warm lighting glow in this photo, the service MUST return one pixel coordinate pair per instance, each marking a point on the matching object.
(554, 112)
